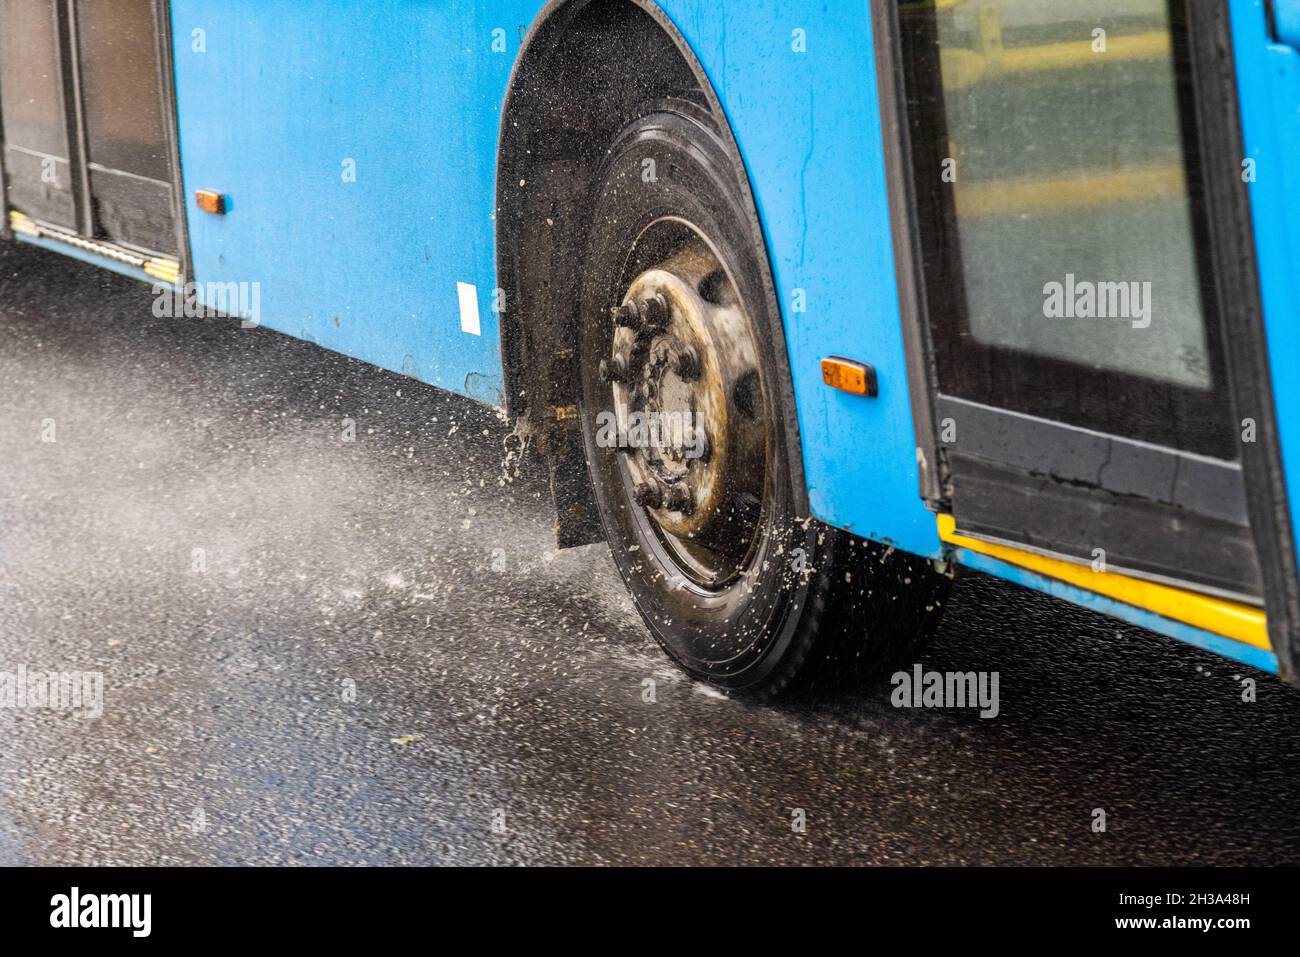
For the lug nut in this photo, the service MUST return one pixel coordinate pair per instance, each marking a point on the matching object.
(646, 317)
(613, 370)
(626, 316)
(655, 312)
(648, 494)
(639, 354)
(686, 363)
(679, 499)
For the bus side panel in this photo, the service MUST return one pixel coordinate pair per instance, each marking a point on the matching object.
(356, 143)
(799, 87)
(277, 98)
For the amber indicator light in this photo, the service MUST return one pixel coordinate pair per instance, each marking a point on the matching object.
(210, 201)
(847, 375)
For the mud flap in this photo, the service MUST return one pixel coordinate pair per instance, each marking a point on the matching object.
(577, 521)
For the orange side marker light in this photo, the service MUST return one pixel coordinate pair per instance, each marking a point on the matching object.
(210, 201)
(848, 375)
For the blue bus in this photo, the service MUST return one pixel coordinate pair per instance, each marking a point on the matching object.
(808, 308)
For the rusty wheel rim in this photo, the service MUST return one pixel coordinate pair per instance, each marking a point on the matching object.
(689, 410)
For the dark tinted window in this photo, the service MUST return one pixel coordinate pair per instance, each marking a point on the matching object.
(31, 86)
(1057, 165)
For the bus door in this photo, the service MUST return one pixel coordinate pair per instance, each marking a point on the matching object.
(88, 137)
(1077, 247)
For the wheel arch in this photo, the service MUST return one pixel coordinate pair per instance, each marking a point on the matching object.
(584, 69)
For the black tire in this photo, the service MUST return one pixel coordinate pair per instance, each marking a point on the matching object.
(808, 606)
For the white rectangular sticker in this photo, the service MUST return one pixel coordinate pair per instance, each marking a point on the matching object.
(468, 294)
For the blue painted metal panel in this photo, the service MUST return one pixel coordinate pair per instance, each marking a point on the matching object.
(1268, 81)
(279, 100)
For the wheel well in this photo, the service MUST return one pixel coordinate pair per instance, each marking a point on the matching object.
(581, 76)
(585, 69)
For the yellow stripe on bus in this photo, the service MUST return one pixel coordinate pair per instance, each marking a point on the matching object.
(1229, 619)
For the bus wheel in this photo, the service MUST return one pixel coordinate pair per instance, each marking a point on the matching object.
(686, 416)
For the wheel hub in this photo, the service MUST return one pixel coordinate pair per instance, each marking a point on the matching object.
(687, 398)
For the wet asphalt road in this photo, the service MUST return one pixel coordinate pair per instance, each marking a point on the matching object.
(416, 566)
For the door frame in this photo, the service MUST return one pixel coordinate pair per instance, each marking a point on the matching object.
(65, 17)
(1239, 314)
(162, 16)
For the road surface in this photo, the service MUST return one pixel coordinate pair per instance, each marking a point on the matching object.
(319, 651)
